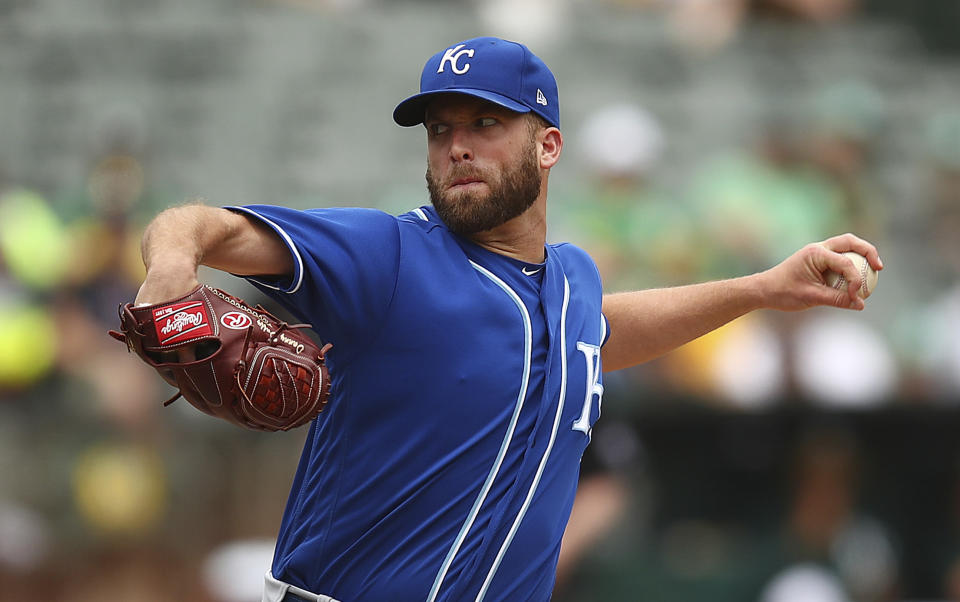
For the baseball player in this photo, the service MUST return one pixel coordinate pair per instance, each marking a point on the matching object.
(467, 353)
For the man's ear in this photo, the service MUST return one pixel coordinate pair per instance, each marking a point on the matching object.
(551, 143)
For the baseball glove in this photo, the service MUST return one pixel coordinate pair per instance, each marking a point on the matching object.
(230, 361)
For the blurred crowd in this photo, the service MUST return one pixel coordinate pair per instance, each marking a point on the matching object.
(106, 495)
(803, 177)
(805, 173)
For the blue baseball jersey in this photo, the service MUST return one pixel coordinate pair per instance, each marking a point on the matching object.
(464, 385)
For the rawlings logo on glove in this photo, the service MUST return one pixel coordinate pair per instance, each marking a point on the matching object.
(230, 361)
(175, 321)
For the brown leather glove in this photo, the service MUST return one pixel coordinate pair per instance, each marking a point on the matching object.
(240, 364)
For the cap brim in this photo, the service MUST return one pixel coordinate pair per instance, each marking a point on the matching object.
(412, 110)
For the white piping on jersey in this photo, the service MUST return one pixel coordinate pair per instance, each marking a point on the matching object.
(475, 510)
(421, 214)
(546, 454)
(289, 241)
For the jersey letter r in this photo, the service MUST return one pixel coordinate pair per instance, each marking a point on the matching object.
(591, 353)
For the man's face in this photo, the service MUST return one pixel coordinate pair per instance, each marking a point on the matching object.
(483, 166)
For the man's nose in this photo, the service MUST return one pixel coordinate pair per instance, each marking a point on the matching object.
(461, 146)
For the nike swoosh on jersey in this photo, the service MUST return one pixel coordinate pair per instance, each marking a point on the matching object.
(531, 273)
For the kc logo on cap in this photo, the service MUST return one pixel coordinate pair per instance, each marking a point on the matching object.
(496, 70)
(453, 55)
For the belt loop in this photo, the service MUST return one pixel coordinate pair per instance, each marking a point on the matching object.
(275, 590)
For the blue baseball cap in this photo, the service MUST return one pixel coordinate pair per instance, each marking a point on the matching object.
(503, 72)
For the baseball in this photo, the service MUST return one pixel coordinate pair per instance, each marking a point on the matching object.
(867, 273)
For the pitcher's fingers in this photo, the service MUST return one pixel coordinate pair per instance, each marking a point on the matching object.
(840, 264)
(821, 294)
(852, 242)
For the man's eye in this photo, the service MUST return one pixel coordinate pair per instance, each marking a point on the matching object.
(438, 128)
(486, 122)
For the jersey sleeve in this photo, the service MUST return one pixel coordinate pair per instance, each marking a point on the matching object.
(346, 263)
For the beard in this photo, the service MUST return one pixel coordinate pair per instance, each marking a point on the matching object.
(468, 212)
